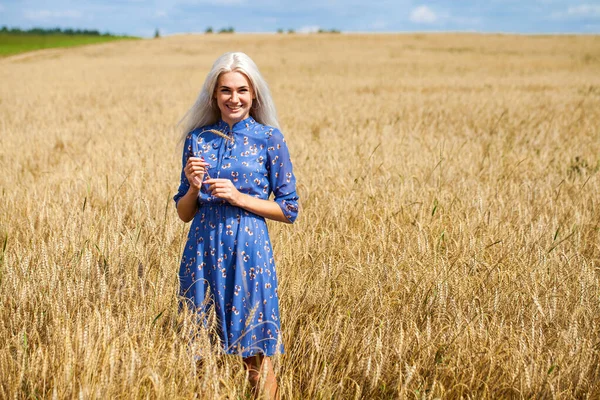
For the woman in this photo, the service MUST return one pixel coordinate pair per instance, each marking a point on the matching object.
(234, 157)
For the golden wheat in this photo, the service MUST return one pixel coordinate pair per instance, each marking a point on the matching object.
(448, 245)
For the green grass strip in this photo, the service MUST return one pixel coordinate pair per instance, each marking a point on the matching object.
(14, 44)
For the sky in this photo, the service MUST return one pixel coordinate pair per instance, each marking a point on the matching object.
(143, 17)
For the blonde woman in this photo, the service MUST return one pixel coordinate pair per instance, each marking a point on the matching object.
(234, 158)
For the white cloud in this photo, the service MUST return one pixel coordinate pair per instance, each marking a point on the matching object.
(423, 15)
(580, 11)
(41, 15)
(584, 10)
(309, 29)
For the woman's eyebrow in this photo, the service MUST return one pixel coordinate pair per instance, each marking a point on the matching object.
(227, 87)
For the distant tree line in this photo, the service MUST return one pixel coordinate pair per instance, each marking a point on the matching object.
(53, 31)
(280, 30)
(328, 31)
(222, 30)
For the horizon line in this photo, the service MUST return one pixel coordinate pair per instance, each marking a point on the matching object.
(384, 33)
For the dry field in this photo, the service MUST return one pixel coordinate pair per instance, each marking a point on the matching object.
(448, 245)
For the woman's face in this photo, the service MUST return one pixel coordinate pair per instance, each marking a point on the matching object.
(234, 96)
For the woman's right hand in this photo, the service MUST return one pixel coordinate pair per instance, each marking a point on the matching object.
(194, 170)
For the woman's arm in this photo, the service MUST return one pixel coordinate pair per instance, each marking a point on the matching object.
(225, 189)
(187, 206)
(281, 176)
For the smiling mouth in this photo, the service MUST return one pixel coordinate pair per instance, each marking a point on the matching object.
(234, 108)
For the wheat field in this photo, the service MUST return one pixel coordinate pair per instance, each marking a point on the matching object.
(448, 244)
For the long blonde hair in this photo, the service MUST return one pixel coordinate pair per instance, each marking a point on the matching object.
(205, 110)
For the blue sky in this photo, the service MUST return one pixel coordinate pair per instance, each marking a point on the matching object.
(142, 17)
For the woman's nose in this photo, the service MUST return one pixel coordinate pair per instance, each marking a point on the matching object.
(234, 96)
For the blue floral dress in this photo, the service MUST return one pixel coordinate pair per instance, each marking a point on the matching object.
(228, 259)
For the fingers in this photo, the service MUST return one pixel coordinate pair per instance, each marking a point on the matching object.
(196, 163)
(197, 159)
(221, 193)
(216, 185)
(195, 169)
(222, 188)
(221, 181)
(191, 172)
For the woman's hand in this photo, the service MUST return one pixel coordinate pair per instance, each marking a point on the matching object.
(194, 170)
(224, 189)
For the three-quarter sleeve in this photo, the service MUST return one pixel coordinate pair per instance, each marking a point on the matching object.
(184, 184)
(281, 175)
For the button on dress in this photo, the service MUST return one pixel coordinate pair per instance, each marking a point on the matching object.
(228, 260)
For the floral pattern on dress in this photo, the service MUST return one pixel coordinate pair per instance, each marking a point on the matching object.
(228, 259)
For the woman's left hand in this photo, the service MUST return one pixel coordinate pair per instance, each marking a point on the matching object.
(224, 189)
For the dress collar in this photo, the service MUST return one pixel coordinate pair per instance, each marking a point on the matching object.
(237, 127)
